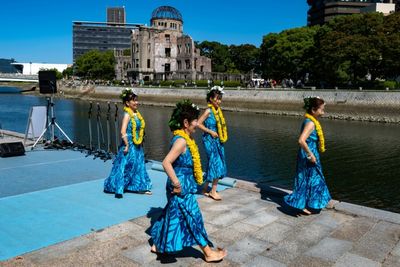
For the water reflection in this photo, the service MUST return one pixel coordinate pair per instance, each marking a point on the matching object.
(361, 164)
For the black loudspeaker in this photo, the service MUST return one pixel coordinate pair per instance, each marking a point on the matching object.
(47, 82)
(12, 149)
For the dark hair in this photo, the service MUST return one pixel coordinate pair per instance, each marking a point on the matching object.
(213, 92)
(127, 95)
(184, 109)
(311, 103)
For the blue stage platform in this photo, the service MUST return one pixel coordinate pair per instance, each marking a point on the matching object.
(49, 196)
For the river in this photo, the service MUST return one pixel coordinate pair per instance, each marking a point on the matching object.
(361, 164)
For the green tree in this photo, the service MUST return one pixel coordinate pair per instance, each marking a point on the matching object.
(350, 47)
(68, 72)
(245, 57)
(391, 46)
(219, 54)
(288, 54)
(96, 65)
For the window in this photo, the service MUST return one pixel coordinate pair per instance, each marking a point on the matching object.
(187, 62)
(179, 64)
(167, 38)
(167, 52)
(148, 63)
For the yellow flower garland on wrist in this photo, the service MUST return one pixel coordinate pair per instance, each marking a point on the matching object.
(197, 171)
(221, 125)
(139, 140)
(320, 133)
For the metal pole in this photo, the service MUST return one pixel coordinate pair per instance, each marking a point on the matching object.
(90, 125)
(108, 128)
(98, 126)
(116, 127)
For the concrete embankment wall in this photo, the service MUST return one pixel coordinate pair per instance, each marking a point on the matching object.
(379, 106)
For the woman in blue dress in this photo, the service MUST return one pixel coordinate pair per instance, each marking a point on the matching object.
(310, 190)
(129, 171)
(212, 123)
(181, 223)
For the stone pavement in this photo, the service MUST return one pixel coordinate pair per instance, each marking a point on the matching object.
(254, 227)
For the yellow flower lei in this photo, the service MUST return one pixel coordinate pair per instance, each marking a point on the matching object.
(320, 133)
(139, 140)
(197, 171)
(221, 125)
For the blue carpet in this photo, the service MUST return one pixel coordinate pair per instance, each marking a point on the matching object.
(43, 217)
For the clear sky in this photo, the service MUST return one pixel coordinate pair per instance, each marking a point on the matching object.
(41, 31)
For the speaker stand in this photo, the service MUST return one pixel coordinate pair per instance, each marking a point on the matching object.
(51, 125)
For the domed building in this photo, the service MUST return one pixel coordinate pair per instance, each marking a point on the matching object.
(162, 51)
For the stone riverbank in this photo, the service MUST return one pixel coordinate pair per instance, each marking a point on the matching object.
(373, 106)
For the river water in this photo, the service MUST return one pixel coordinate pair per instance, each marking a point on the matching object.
(361, 164)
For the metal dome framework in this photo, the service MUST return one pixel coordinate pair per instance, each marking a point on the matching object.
(166, 12)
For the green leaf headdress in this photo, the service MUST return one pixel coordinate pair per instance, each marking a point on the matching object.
(126, 92)
(175, 122)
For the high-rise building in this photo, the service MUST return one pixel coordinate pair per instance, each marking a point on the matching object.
(100, 36)
(116, 15)
(321, 11)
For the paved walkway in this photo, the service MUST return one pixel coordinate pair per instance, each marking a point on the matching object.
(255, 229)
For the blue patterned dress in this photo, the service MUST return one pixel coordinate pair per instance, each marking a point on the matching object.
(181, 223)
(310, 189)
(216, 168)
(129, 171)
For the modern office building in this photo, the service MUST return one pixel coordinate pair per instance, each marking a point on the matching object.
(116, 15)
(100, 36)
(321, 11)
(163, 52)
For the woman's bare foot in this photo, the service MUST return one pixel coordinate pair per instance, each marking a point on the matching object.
(216, 255)
(148, 193)
(215, 196)
(307, 212)
(153, 249)
(204, 192)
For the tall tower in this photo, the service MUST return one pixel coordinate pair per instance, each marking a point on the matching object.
(321, 11)
(116, 15)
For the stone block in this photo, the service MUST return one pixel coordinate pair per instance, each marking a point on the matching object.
(273, 233)
(353, 230)
(297, 242)
(329, 249)
(227, 218)
(396, 249)
(116, 231)
(332, 219)
(260, 219)
(244, 250)
(234, 232)
(352, 260)
(60, 250)
(307, 261)
(377, 243)
(140, 254)
(368, 212)
(261, 261)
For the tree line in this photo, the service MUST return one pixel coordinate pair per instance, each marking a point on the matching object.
(355, 50)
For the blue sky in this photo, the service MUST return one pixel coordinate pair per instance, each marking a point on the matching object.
(41, 31)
